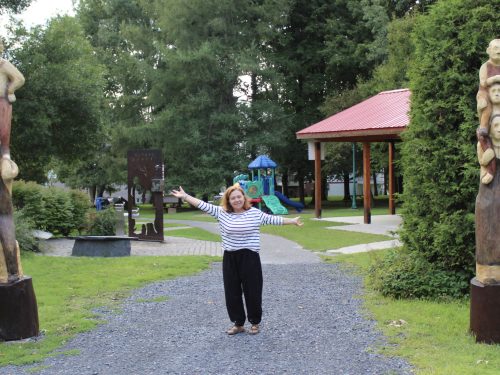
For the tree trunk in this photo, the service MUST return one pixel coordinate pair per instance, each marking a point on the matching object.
(347, 193)
(92, 193)
(301, 190)
(386, 177)
(324, 189)
(284, 184)
(375, 189)
(100, 190)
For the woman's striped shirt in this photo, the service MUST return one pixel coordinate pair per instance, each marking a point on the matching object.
(240, 230)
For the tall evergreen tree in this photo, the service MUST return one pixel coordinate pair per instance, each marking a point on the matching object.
(439, 161)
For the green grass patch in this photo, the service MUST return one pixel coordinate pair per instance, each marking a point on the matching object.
(340, 211)
(432, 335)
(195, 234)
(192, 215)
(68, 289)
(331, 208)
(314, 235)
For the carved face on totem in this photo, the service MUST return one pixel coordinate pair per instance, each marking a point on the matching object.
(493, 51)
(495, 129)
(494, 93)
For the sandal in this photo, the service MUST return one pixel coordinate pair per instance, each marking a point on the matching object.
(235, 330)
(254, 329)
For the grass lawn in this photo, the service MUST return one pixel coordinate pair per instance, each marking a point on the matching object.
(333, 207)
(312, 236)
(68, 289)
(432, 335)
(194, 233)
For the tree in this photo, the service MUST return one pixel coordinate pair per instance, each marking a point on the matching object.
(438, 153)
(323, 49)
(57, 114)
(175, 67)
(391, 74)
(206, 48)
(338, 163)
(15, 6)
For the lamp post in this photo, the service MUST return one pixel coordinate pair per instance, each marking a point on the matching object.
(353, 206)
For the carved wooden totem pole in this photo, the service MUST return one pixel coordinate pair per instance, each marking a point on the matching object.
(18, 308)
(485, 287)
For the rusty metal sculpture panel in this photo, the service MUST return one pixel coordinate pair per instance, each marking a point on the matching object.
(146, 174)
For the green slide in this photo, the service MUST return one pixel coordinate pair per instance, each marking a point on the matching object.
(273, 203)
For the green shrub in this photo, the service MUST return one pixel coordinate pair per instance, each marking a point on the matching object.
(29, 196)
(81, 205)
(102, 223)
(56, 210)
(24, 232)
(403, 274)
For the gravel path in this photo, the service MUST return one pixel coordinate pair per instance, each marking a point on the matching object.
(312, 324)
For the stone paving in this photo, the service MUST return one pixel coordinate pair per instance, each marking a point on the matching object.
(171, 246)
(380, 224)
(275, 249)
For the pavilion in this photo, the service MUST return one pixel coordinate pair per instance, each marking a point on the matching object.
(381, 118)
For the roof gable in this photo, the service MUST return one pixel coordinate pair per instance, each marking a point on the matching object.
(383, 114)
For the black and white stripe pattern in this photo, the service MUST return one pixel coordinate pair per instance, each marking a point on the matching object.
(240, 230)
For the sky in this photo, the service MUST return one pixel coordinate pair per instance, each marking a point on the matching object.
(39, 12)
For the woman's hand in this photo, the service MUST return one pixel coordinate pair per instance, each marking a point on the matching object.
(295, 221)
(179, 193)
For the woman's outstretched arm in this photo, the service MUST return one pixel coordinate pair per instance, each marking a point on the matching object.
(185, 197)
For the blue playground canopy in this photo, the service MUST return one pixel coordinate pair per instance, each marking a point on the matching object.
(262, 161)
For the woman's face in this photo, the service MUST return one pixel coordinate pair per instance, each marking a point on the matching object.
(237, 200)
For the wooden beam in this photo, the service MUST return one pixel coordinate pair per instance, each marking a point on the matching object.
(392, 207)
(383, 138)
(377, 134)
(317, 179)
(366, 183)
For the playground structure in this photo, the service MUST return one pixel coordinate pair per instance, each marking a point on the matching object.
(260, 188)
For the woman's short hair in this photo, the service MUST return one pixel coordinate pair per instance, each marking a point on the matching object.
(226, 206)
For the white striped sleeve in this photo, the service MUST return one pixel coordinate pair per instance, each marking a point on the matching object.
(266, 219)
(210, 209)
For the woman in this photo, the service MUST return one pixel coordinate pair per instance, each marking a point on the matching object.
(241, 269)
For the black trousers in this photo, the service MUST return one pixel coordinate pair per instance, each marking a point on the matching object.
(242, 273)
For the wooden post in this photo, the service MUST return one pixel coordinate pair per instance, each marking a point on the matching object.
(392, 207)
(18, 310)
(366, 183)
(317, 179)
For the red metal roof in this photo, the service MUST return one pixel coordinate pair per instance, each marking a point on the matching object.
(385, 114)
